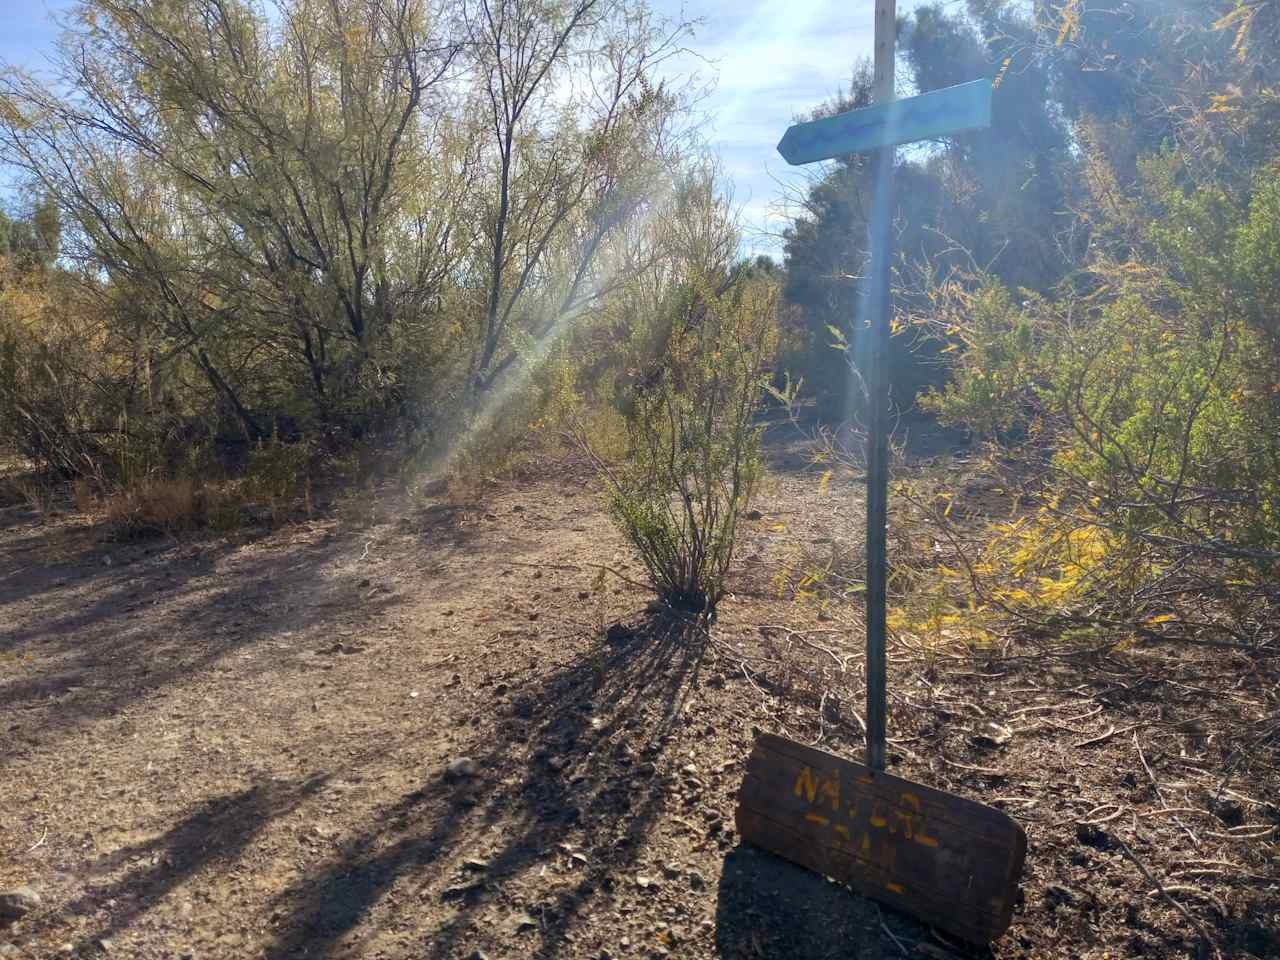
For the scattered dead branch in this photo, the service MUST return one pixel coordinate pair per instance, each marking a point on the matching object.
(1166, 894)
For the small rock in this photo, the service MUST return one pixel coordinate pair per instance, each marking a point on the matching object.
(1228, 811)
(647, 769)
(18, 902)
(520, 922)
(754, 515)
(460, 891)
(557, 763)
(696, 880)
(8, 950)
(584, 594)
(580, 859)
(475, 865)
(461, 768)
(1058, 893)
(364, 583)
(672, 870)
(689, 770)
(648, 883)
(1092, 836)
(991, 736)
(478, 955)
(104, 944)
(619, 633)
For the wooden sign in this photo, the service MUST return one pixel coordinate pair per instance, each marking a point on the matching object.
(951, 862)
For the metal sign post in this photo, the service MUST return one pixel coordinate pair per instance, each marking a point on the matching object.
(879, 309)
(950, 861)
(879, 128)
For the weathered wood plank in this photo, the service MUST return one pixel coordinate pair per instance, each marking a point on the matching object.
(950, 861)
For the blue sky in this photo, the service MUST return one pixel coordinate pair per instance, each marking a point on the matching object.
(772, 58)
(27, 29)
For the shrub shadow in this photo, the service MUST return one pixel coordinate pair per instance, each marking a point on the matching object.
(576, 758)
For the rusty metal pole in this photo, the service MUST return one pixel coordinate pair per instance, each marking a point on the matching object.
(879, 308)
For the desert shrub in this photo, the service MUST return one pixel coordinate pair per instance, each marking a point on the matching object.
(693, 441)
(168, 506)
(278, 474)
(58, 399)
(1151, 401)
(153, 507)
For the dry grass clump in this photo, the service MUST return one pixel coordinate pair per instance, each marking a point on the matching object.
(164, 507)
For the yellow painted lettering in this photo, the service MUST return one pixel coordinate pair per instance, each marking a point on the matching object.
(895, 887)
(904, 817)
(818, 819)
(917, 834)
(831, 790)
(877, 816)
(806, 785)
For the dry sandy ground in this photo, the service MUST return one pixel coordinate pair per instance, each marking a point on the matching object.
(240, 749)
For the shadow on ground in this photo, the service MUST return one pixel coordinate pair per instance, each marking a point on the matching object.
(767, 907)
(98, 659)
(217, 831)
(577, 756)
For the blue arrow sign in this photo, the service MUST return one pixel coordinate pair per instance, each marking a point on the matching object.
(940, 113)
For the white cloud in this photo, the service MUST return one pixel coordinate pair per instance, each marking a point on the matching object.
(772, 60)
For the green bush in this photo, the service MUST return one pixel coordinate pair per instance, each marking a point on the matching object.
(1156, 395)
(693, 459)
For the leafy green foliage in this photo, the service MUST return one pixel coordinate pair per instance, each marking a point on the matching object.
(350, 217)
(1157, 393)
(693, 459)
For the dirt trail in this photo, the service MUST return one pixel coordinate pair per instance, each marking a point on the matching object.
(223, 750)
